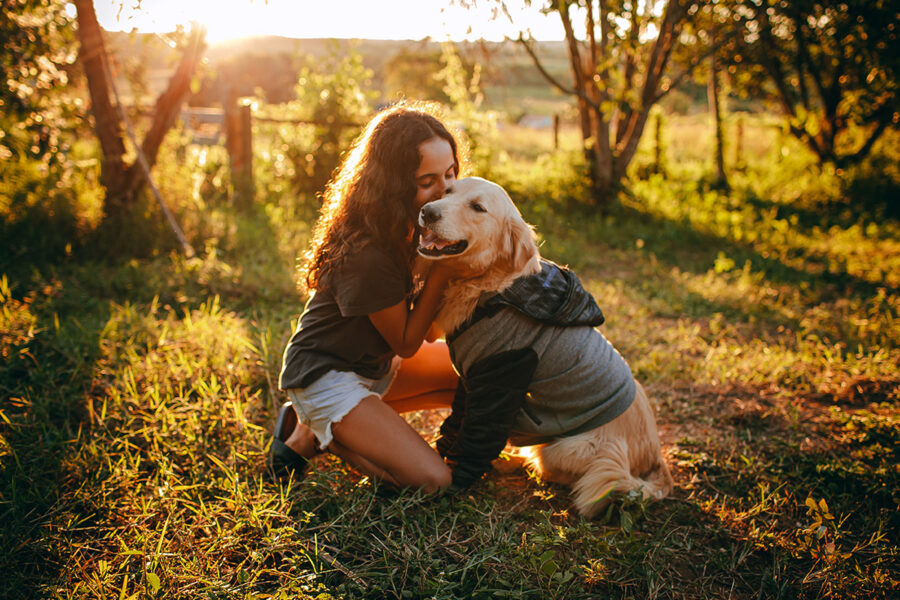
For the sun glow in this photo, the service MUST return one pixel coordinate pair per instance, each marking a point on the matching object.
(388, 19)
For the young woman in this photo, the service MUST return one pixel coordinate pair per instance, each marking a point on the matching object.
(342, 368)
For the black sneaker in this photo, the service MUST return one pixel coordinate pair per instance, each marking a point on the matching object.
(282, 460)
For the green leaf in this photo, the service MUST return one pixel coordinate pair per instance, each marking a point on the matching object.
(153, 581)
(549, 568)
(627, 521)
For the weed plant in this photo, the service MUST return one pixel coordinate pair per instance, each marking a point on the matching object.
(138, 388)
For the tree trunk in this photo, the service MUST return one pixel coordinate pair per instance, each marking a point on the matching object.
(605, 185)
(590, 141)
(659, 160)
(168, 104)
(715, 108)
(123, 181)
(114, 171)
(670, 26)
(613, 120)
(589, 144)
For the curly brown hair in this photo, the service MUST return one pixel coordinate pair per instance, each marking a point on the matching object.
(371, 198)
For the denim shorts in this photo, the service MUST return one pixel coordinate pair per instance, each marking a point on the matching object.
(333, 395)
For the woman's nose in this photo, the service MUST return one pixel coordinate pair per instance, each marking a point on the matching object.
(446, 186)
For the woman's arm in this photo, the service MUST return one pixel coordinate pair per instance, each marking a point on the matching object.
(405, 330)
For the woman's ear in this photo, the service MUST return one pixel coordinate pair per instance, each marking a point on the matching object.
(520, 246)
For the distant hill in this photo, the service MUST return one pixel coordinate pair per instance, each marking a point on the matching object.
(271, 64)
(154, 51)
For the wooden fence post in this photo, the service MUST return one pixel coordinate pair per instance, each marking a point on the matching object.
(556, 131)
(659, 151)
(739, 146)
(239, 142)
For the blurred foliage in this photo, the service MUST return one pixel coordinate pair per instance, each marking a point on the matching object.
(47, 177)
(36, 64)
(37, 53)
(410, 73)
(271, 76)
(335, 95)
(831, 68)
(465, 99)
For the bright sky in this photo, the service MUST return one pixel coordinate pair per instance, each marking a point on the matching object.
(371, 19)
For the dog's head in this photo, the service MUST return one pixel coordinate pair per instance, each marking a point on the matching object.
(476, 227)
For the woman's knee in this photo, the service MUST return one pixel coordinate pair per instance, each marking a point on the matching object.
(429, 473)
(436, 480)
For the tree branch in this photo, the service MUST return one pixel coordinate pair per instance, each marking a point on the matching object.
(574, 54)
(884, 112)
(589, 26)
(670, 27)
(550, 78)
(540, 67)
(604, 26)
(696, 61)
(773, 67)
(168, 105)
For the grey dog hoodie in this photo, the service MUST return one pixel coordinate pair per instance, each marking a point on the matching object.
(532, 369)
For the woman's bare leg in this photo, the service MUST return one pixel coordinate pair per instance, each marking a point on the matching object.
(361, 464)
(380, 436)
(303, 441)
(425, 381)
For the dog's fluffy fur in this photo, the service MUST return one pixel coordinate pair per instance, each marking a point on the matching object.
(477, 230)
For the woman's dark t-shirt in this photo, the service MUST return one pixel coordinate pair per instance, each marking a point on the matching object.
(335, 332)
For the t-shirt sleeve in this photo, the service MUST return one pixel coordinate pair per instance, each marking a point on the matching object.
(368, 282)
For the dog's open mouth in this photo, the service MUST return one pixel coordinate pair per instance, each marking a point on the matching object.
(432, 245)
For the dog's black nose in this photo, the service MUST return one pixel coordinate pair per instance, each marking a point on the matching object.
(430, 214)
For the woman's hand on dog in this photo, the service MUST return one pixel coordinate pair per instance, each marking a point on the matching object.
(434, 333)
(440, 272)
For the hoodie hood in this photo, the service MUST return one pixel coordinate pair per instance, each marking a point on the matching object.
(554, 296)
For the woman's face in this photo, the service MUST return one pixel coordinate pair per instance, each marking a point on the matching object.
(436, 172)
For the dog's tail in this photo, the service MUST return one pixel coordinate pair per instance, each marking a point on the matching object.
(609, 473)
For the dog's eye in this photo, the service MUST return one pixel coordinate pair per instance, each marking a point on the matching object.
(477, 207)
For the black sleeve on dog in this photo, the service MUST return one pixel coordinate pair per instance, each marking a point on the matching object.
(450, 427)
(496, 388)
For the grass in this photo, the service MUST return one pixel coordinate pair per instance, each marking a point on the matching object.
(136, 395)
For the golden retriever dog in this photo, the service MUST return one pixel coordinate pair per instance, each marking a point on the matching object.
(533, 369)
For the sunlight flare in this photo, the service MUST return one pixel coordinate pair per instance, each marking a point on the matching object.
(227, 20)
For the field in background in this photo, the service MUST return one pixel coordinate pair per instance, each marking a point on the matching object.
(138, 393)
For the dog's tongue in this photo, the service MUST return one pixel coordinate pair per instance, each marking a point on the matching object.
(428, 239)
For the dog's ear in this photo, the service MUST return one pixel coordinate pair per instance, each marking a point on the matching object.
(520, 246)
